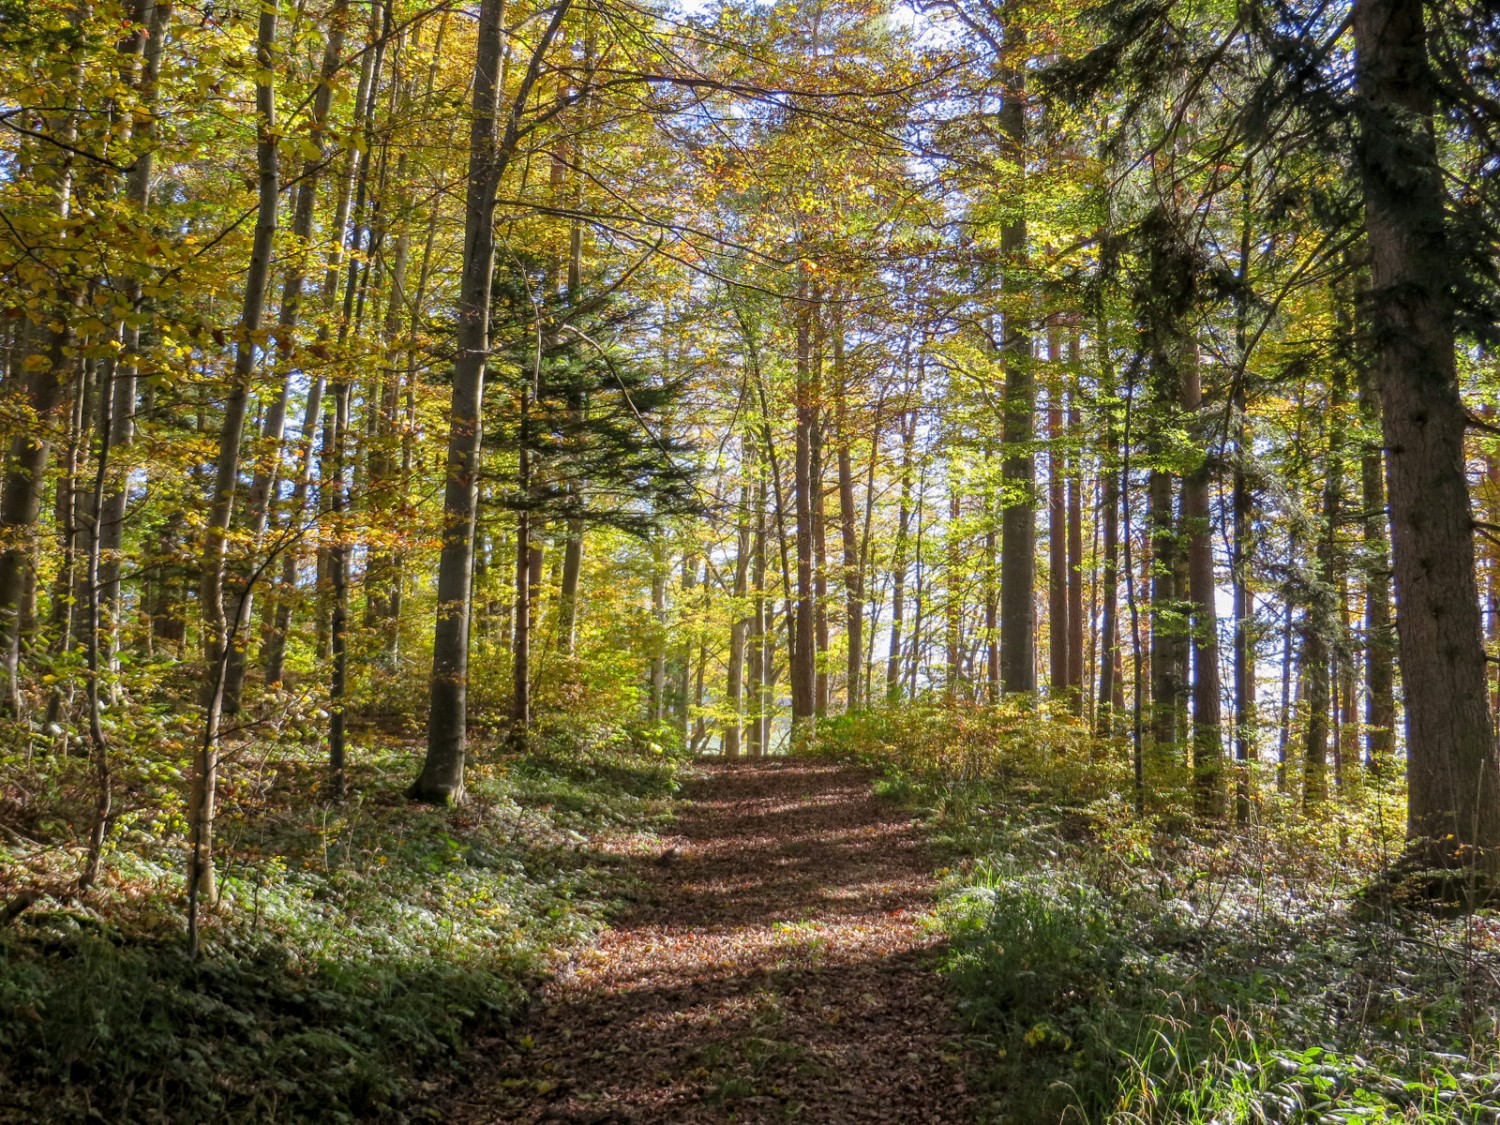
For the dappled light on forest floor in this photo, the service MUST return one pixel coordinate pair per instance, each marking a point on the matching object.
(777, 966)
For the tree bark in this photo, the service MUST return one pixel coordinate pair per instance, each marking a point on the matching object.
(1208, 735)
(804, 663)
(220, 623)
(1453, 777)
(442, 776)
(1018, 518)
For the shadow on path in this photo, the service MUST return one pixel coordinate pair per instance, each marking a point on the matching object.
(776, 968)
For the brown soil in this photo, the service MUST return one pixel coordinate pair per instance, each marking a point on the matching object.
(778, 966)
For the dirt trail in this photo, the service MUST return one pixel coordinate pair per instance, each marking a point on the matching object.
(776, 968)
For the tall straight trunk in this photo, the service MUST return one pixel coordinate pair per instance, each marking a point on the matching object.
(1288, 663)
(854, 578)
(914, 649)
(688, 586)
(953, 602)
(1245, 720)
(441, 779)
(47, 367)
(442, 776)
(1380, 633)
(1057, 524)
(1453, 778)
(1076, 617)
(804, 662)
(282, 598)
(760, 627)
(1208, 735)
(734, 687)
(220, 621)
(1242, 500)
(273, 428)
(147, 43)
(1168, 301)
(1018, 516)
(567, 595)
(992, 609)
(659, 613)
(1320, 625)
(336, 435)
(1166, 681)
(1109, 514)
(820, 568)
(898, 559)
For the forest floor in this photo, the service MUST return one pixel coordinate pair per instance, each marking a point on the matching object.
(778, 964)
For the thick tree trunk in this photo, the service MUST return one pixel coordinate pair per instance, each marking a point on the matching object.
(1454, 781)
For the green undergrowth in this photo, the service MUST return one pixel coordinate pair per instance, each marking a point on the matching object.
(357, 945)
(1131, 969)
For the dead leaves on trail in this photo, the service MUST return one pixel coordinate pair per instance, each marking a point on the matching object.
(777, 967)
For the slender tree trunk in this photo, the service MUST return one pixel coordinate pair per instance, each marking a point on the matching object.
(898, 560)
(220, 629)
(152, 16)
(1208, 735)
(1380, 634)
(1245, 719)
(804, 663)
(1320, 625)
(1076, 616)
(1058, 627)
(1018, 515)
(1109, 512)
(442, 776)
(734, 688)
(854, 578)
(760, 641)
(659, 612)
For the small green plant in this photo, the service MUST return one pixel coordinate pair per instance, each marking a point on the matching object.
(1144, 970)
(356, 947)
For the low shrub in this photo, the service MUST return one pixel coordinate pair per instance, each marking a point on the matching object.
(1132, 969)
(357, 945)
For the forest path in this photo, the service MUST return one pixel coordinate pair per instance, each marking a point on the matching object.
(776, 968)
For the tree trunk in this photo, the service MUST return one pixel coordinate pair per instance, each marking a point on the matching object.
(1076, 616)
(734, 688)
(1208, 737)
(442, 776)
(898, 559)
(1320, 625)
(854, 578)
(220, 621)
(1454, 781)
(1058, 627)
(152, 15)
(1018, 518)
(804, 663)
(1380, 634)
